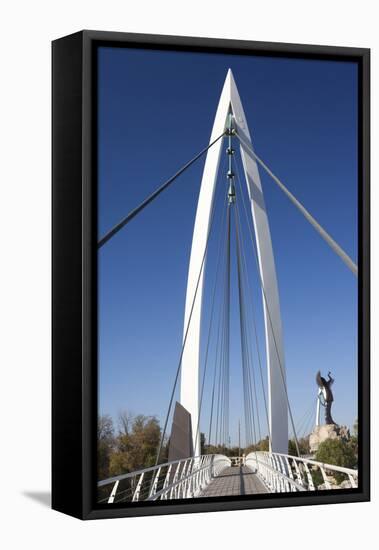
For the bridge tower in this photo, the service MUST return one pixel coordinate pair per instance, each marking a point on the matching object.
(230, 104)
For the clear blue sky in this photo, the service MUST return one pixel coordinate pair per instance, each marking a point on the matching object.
(156, 111)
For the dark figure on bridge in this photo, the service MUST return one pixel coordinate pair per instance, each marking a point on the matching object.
(326, 395)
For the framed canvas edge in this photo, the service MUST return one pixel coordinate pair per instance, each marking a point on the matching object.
(67, 319)
(90, 40)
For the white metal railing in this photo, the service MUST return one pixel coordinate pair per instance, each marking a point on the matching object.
(283, 473)
(178, 479)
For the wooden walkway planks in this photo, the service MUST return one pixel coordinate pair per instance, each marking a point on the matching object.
(233, 481)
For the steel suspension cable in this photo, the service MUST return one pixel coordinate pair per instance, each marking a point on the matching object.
(224, 357)
(308, 424)
(304, 419)
(250, 365)
(271, 327)
(247, 383)
(221, 378)
(253, 387)
(219, 389)
(217, 379)
(226, 399)
(324, 234)
(248, 398)
(215, 366)
(245, 271)
(308, 421)
(243, 355)
(153, 195)
(210, 325)
(185, 336)
(215, 375)
(220, 356)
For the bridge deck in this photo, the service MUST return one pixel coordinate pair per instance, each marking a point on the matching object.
(235, 480)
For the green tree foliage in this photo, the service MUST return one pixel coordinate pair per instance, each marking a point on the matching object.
(353, 442)
(215, 449)
(355, 428)
(105, 444)
(233, 451)
(202, 443)
(303, 446)
(337, 452)
(262, 445)
(221, 450)
(136, 445)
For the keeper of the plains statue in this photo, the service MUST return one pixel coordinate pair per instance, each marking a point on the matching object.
(326, 395)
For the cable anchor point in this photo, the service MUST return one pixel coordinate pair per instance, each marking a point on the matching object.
(230, 132)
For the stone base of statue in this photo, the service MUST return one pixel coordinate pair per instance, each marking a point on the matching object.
(324, 432)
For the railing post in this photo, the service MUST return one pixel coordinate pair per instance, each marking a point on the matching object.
(298, 472)
(273, 477)
(353, 483)
(113, 493)
(309, 477)
(166, 482)
(282, 473)
(138, 489)
(290, 474)
(285, 483)
(212, 466)
(176, 475)
(154, 485)
(326, 481)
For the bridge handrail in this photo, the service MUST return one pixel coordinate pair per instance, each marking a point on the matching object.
(180, 479)
(177, 483)
(286, 473)
(138, 472)
(325, 465)
(292, 482)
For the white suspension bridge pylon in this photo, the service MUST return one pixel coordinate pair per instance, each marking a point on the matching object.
(274, 471)
(230, 105)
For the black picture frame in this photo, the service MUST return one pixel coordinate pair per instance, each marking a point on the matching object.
(74, 253)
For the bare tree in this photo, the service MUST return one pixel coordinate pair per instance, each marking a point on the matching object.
(105, 444)
(105, 427)
(125, 421)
